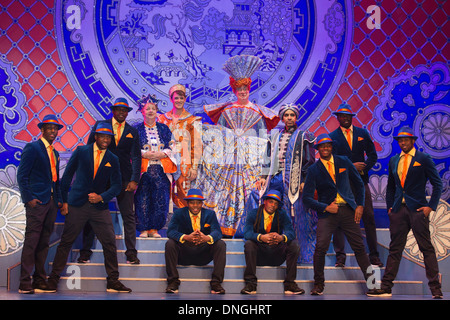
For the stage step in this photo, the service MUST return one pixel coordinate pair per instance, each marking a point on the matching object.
(150, 275)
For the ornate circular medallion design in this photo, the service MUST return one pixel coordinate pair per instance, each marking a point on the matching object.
(134, 47)
(12, 221)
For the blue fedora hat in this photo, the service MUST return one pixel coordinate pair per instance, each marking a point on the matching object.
(50, 119)
(121, 102)
(321, 139)
(194, 194)
(405, 132)
(104, 128)
(273, 194)
(344, 109)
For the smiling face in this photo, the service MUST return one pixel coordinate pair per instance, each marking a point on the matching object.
(345, 120)
(178, 99)
(195, 206)
(149, 112)
(406, 144)
(242, 93)
(49, 132)
(325, 150)
(120, 114)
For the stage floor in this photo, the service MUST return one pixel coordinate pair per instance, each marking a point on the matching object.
(5, 295)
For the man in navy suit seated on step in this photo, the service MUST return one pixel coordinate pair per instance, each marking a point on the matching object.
(270, 241)
(195, 238)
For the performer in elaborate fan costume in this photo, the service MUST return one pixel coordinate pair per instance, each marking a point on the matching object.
(234, 149)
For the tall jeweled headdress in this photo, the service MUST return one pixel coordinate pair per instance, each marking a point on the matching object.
(241, 67)
(145, 99)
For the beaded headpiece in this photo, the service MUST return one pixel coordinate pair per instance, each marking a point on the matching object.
(286, 107)
(145, 99)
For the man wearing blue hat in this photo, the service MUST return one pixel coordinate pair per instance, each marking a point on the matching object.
(126, 146)
(270, 241)
(195, 238)
(38, 179)
(356, 144)
(97, 181)
(336, 206)
(409, 209)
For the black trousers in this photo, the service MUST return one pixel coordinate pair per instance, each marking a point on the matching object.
(101, 223)
(125, 200)
(401, 223)
(370, 228)
(262, 254)
(199, 255)
(326, 226)
(40, 224)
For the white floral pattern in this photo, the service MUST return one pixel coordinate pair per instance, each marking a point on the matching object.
(440, 234)
(12, 221)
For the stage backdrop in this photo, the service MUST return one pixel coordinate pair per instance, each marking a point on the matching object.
(388, 59)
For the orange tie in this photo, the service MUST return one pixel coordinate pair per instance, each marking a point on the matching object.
(269, 224)
(330, 171)
(349, 138)
(194, 223)
(52, 161)
(405, 169)
(97, 162)
(118, 133)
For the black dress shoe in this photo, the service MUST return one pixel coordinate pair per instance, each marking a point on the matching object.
(42, 287)
(216, 288)
(376, 262)
(250, 288)
(116, 286)
(26, 289)
(172, 287)
(133, 260)
(317, 290)
(437, 293)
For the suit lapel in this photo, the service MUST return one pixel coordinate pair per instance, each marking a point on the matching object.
(48, 168)
(90, 155)
(343, 139)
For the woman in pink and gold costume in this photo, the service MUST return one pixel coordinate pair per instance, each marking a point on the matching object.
(234, 149)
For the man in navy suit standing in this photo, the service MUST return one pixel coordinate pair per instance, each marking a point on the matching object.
(126, 146)
(356, 144)
(97, 181)
(195, 238)
(336, 206)
(409, 209)
(38, 179)
(270, 240)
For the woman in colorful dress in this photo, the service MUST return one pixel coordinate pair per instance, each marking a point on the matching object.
(158, 163)
(186, 130)
(234, 149)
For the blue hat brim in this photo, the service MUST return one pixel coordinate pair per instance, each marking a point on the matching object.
(344, 112)
(60, 126)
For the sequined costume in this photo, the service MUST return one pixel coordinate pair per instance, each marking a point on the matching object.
(153, 193)
(233, 158)
(291, 155)
(187, 135)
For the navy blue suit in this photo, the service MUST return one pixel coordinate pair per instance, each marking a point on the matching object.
(404, 217)
(362, 147)
(363, 150)
(34, 177)
(34, 174)
(421, 170)
(128, 150)
(107, 183)
(258, 253)
(318, 178)
(189, 254)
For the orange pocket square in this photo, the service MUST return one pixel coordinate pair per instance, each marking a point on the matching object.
(360, 138)
(342, 170)
(416, 164)
(207, 225)
(108, 165)
(129, 135)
